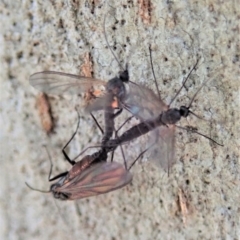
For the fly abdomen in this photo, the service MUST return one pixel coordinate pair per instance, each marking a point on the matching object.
(109, 124)
(138, 130)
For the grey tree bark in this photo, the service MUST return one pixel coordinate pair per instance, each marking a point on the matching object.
(200, 197)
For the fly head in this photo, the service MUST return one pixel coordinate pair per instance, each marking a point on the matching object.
(184, 111)
(124, 76)
(57, 194)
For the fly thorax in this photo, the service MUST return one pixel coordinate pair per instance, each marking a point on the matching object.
(116, 87)
(171, 116)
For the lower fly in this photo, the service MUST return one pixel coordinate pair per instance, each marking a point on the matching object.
(90, 176)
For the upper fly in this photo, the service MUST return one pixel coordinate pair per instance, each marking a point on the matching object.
(159, 119)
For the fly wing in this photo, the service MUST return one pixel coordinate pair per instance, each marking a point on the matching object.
(63, 83)
(143, 102)
(162, 152)
(99, 103)
(97, 179)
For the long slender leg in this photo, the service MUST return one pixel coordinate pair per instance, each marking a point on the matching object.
(49, 175)
(141, 154)
(117, 113)
(58, 176)
(95, 120)
(72, 162)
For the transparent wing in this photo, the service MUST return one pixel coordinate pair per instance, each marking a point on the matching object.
(160, 146)
(97, 179)
(63, 83)
(143, 102)
(99, 103)
(162, 152)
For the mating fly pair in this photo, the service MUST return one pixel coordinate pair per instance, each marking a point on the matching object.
(93, 175)
(90, 176)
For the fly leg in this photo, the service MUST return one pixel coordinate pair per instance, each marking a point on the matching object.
(72, 162)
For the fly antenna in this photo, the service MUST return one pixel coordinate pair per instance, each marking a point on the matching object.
(190, 104)
(194, 96)
(38, 190)
(155, 80)
(201, 134)
(105, 35)
(194, 114)
(180, 89)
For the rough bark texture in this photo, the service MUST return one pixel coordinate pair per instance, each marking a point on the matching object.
(201, 197)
